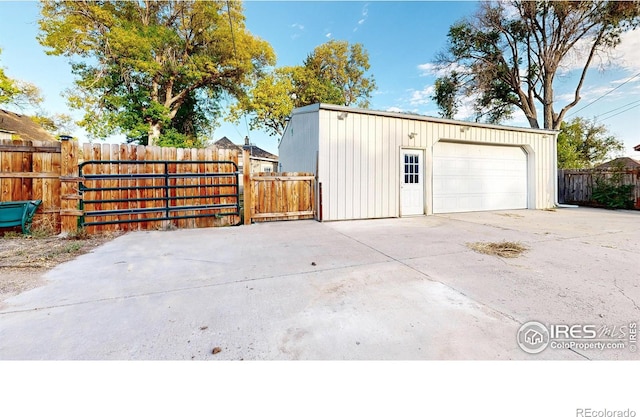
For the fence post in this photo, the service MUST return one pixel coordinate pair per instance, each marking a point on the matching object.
(561, 187)
(69, 197)
(246, 181)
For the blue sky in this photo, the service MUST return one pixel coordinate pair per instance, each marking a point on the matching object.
(401, 38)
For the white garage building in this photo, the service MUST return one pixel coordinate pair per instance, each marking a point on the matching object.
(373, 164)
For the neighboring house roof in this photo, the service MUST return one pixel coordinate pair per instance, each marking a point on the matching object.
(225, 143)
(254, 151)
(624, 162)
(22, 126)
(636, 148)
(257, 152)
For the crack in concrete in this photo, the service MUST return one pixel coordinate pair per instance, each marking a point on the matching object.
(189, 288)
(580, 354)
(615, 282)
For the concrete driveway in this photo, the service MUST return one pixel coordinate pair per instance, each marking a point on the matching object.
(405, 288)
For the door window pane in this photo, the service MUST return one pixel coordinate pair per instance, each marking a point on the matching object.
(411, 169)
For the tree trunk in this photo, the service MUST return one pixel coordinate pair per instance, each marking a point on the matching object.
(547, 105)
(154, 133)
(528, 107)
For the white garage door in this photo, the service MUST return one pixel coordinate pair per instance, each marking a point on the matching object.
(470, 177)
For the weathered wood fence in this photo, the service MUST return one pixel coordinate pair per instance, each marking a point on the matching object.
(280, 196)
(50, 171)
(30, 170)
(150, 179)
(575, 186)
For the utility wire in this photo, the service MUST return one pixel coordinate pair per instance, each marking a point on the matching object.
(618, 108)
(613, 115)
(604, 95)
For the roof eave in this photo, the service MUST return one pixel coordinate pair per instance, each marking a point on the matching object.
(323, 106)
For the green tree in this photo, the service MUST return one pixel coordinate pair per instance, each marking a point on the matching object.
(153, 68)
(583, 143)
(335, 73)
(18, 93)
(445, 95)
(57, 124)
(509, 54)
(343, 67)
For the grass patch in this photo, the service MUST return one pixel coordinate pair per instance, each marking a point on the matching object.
(72, 247)
(503, 249)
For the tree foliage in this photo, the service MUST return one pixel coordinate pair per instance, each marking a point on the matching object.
(18, 93)
(153, 68)
(57, 124)
(583, 143)
(509, 54)
(343, 67)
(335, 73)
(445, 95)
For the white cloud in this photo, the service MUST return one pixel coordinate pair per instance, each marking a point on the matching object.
(395, 109)
(421, 97)
(518, 119)
(299, 28)
(427, 69)
(364, 15)
(328, 35)
(628, 52)
(466, 109)
(626, 55)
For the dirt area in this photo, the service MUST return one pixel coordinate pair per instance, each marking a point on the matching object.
(25, 259)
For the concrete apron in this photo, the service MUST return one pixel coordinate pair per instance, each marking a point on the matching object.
(380, 289)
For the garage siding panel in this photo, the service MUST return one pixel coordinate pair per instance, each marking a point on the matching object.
(362, 180)
(299, 144)
(330, 188)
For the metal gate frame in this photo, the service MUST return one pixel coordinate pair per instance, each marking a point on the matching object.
(168, 178)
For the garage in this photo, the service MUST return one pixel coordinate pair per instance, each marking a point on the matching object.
(372, 164)
(474, 177)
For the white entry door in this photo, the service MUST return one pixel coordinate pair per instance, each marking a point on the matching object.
(411, 182)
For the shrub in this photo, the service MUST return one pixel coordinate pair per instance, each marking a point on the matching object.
(612, 193)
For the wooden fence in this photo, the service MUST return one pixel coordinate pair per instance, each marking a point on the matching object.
(30, 170)
(575, 186)
(280, 196)
(123, 194)
(48, 171)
